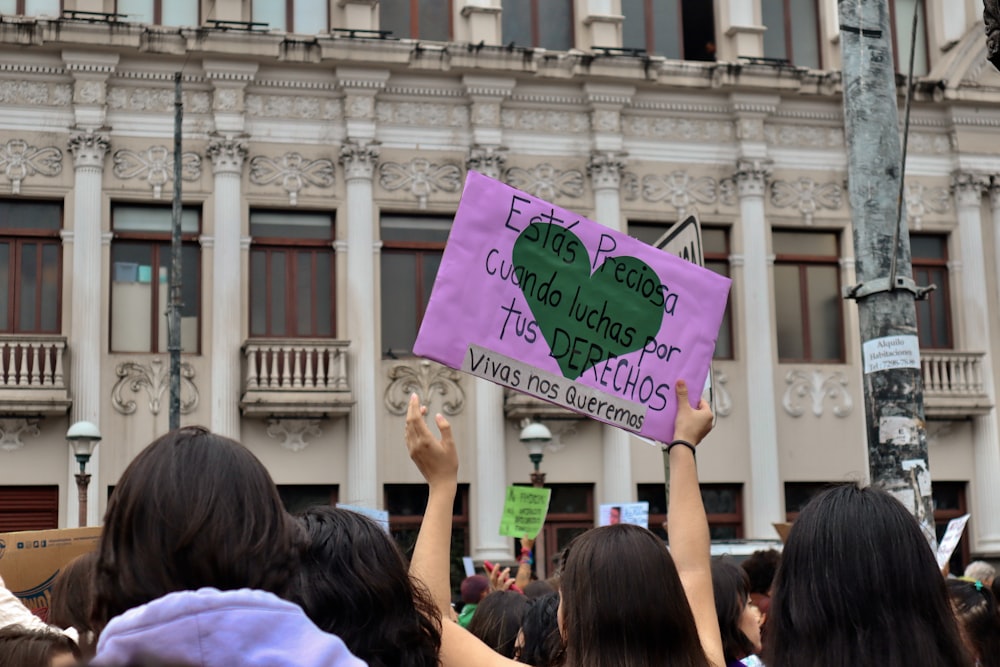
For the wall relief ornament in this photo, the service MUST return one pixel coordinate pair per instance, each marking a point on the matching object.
(155, 165)
(679, 190)
(488, 160)
(359, 159)
(807, 196)
(287, 106)
(13, 429)
(546, 182)
(154, 378)
(428, 380)
(227, 154)
(19, 160)
(817, 387)
(723, 399)
(921, 200)
(89, 148)
(293, 171)
(421, 177)
(292, 433)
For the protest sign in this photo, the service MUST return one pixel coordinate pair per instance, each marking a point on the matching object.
(524, 511)
(950, 539)
(31, 560)
(381, 517)
(538, 299)
(636, 514)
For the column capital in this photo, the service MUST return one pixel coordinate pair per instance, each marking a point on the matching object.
(968, 187)
(227, 154)
(488, 160)
(752, 177)
(995, 191)
(605, 170)
(89, 148)
(359, 159)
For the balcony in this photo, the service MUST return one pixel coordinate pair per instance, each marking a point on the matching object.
(295, 378)
(32, 379)
(953, 384)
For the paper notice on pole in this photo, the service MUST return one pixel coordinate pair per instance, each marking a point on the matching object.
(950, 540)
(883, 354)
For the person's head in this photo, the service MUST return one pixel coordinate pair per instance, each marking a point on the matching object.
(760, 568)
(539, 643)
(354, 583)
(537, 589)
(739, 619)
(859, 585)
(193, 509)
(498, 620)
(980, 570)
(474, 588)
(23, 647)
(623, 603)
(976, 610)
(73, 599)
(614, 516)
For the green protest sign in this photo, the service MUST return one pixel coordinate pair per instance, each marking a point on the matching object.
(524, 511)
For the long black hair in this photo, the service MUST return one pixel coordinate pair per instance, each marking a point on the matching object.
(498, 620)
(731, 587)
(976, 609)
(543, 646)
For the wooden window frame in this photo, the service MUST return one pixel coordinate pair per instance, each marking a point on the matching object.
(418, 250)
(901, 67)
(735, 519)
(536, 33)
(158, 11)
(17, 239)
(414, 31)
(803, 262)
(156, 240)
(459, 520)
(789, 45)
(22, 7)
(944, 291)
(942, 517)
(650, 26)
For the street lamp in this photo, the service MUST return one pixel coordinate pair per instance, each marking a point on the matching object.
(83, 437)
(534, 436)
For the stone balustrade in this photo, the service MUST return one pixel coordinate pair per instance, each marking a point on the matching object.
(295, 377)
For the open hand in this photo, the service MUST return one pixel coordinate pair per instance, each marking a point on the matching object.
(691, 424)
(500, 579)
(436, 458)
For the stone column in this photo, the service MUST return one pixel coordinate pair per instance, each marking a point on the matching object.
(227, 154)
(764, 506)
(359, 159)
(85, 348)
(968, 189)
(491, 473)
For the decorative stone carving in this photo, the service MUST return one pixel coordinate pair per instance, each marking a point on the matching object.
(546, 182)
(807, 196)
(227, 154)
(427, 380)
(536, 120)
(723, 399)
(359, 159)
(156, 166)
(13, 429)
(20, 160)
(605, 170)
(34, 93)
(154, 378)
(89, 148)
(751, 177)
(486, 114)
(921, 200)
(89, 91)
(422, 114)
(804, 136)
(929, 143)
(227, 99)
(605, 120)
(421, 177)
(360, 106)
(488, 160)
(991, 16)
(679, 190)
(969, 188)
(817, 387)
(157, 100)
(294, 171)
(286, 106)
(630, 185)
(293, 432)
(673, 128)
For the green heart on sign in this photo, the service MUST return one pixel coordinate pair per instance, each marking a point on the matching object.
(585, 318)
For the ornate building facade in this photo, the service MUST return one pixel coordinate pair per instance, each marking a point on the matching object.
(323, 158)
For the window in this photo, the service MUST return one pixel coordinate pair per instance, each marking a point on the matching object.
(901, 18)
(307, 17)
(30, 267)
(715, 248)
(161, 12)
(299, 497)
(417, 19)
(412, 247)
(546, 24)
(678, 29)
(930, 266)
(31, 7)
(723, 506)
(571, 513)
(798, 495)
(140, 279)
(807, 296)
(950, 503)
(28, 508)
(291, 275)
(792, 31)
(406, 504)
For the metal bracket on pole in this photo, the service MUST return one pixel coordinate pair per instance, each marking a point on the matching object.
(862, 290)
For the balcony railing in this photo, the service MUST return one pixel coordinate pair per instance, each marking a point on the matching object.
(953, 384)
(295, 377)
(32, 375)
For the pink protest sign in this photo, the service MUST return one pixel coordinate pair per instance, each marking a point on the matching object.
(541, 300)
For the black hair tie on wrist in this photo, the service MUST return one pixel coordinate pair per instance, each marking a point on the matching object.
(683, 443)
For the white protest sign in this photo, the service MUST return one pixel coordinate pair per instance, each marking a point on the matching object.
(950, 540)
(883, 354)
(636, 514)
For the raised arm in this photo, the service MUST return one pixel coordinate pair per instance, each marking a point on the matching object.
(687, 525)
(437, 461)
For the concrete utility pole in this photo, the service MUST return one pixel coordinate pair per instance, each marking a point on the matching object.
(174, 311)
(894, 410)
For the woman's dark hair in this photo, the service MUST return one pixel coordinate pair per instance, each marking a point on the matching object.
(73, 599)
(731, 586)
(976, 609)
(761, 567)
(24, 647)
(498, 620)
(623, 604)
(858, 585)
(543, 646)
(537, 589)
(193, 509)
(354, 583)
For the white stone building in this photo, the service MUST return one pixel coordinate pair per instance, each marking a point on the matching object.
(322, 163)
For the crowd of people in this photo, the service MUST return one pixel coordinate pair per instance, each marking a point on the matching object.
(200, 565)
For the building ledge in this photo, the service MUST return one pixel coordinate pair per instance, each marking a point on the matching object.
(953, 384)
(295, 378)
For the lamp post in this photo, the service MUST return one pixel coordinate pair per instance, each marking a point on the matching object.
(534, 436)
(83, 437)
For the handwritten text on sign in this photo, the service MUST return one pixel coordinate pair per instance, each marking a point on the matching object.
(524, 511)
(536, 298)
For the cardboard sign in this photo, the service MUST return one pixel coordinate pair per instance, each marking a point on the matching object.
(524, 511)
(381, 517)
(948, 543)
(636, 514)
(538, 299)
(31, 560)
